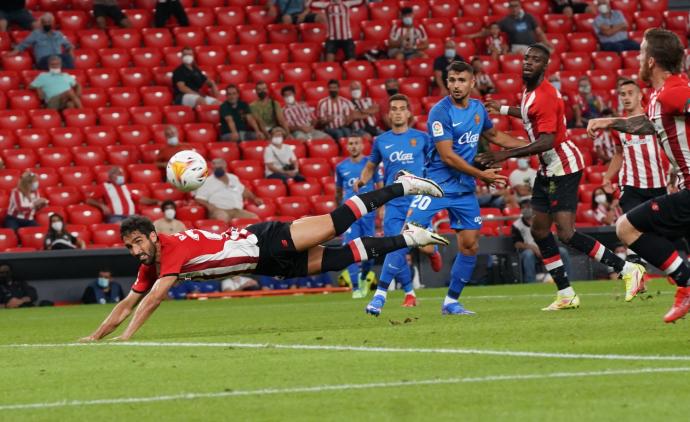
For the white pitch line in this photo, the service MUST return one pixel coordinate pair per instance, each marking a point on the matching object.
(345, 348)
(338, 387)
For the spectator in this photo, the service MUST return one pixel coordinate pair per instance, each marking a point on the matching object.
(46, 42)
(14, 293)
(604, 144)
(482, 81)
(586, 104)
(280, 159)
(522, 179)
(570, 7)
(611, 28)
(267, 111)
(495, 43)
(441, 63)
(103, 290)
(300, 117)
(339, 30)
(173, 146)
(494, 197)
(368, 109)
(59, 238)
(15, 12)
(292, 12)
(555, 80)
(188, 80)
(165, 8)
(168, 224)
(605, 208)
(114, 199)
(223, 194)
(527, 247)
(407, 41)
(522, 29)
(103, 9)
(24, 202)
(337, 112)
(57, 89)
(236, 120)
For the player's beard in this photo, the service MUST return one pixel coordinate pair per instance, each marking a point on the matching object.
(533, 79)
(461, 99)
(645, 73)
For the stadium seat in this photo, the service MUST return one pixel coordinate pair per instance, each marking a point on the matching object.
(8, 239)
(63, 195)
(113, 116)
(22, 61)
(475, 9)
(178, 114)
(163, 191)
(389, 69)
(125, 37)
(210, 55)
(126, 96)
(584, 22)
(414, 87)
(314, 167)
(274, 53)
(55, 156)
(9, 178)
(247, 169)
(172, 56)
(296, 72)
(213, 226)
(208, 114)
(627, 7)
(157, 37)
(158, 133)
(269, 188)
(582, 41)
(79, 117)
(264, 72)
(32, 237)
(420, 67)
(293, 206)
(80, 231)
(76, 175)
(9, 80)
(114, 57)
(445, 9)
(258, 15)
(251, 34)
(315, 90)
(230, 16)
(324, 148)
(86, 58)
(200, 132)
(654, 5)
(149, 152)
(225, 150)
(438, 27)
(88, 155)
(191, 212)
(93, 39)
(105, 234)
(152, 212)
(20, 158)
(83, 214)
(47, 176)
(676, 20)
(386, 10)
(32, 138)
(66, 136)
(508, 83)
(511, 63)
(189, 36)
(282, 33)
(71, 20)
(242, 223)
(16, 119)
(304, 52)
(263, 211)
(376, 30)
(144, 173)
(135, 76)
(603, 80)
(102, 135)
(360, 70)
(242, 54)
(578, 61)
(569, 80)
(559, 43)
(630, 60)
(155, 96)
(322, 204)
(94, 97)
(313, 32)
(305, 189)
(7, 139)
(556, 23)
(220, 36)
(607, 60)
(103, 78)
(146, 115)
(122, 155)
(648, 19)
(232, 74)
(23, 99)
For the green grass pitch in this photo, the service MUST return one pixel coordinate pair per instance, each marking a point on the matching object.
(271, 359)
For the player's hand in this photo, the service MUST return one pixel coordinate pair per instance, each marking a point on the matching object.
(492, 177)
(595, 125)
(356, 185)
(492, 106)
(671, 188)
(607, 186)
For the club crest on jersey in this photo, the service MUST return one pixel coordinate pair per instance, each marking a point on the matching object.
(413, 142)
(477, 119)
(436, 128)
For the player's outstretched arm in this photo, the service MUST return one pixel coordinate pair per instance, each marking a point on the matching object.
(502, 139)
(613, 170)
(150, 303)
(544, 143)
(119, 313)
(365, 177)
(494, 107)
(635, 125)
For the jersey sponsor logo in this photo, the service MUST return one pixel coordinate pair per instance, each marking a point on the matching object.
(468, 138)
(478, 220)
(437, 128)
(388, 147)
(457, 124)
(400, 156)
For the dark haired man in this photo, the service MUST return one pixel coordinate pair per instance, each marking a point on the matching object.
(554, 197)
(650, 228)
(236, 120)
(271, 248)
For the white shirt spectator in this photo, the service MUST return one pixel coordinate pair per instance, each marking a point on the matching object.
(278, 156)
(223, 196)
(522, 177)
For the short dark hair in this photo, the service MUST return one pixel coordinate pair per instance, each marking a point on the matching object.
(460, 66)
(260, 82)
(232, 86)
(333, 81)
(406, 11)
(544, 49)
(666, 49)
(287, 88)
(399, 97)
(186, 47)
(168, 202)
(136, 223)
(475, 59)
(625, 82)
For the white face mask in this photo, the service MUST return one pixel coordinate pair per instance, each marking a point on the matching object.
(169, 213)
(187, 59)
(622, 255)
(522, 164)
(407, 21)
(449, 53)
(290, 99)
(34, 186)
(600, 199)
(557, 85)
(55, 70)
(356, 93)
(277, 140)
(56, 225)
(173, 141)
(120, 180)
(603, 9)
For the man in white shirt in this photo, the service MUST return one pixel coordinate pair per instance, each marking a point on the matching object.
(522, 178)
(280, 159)
(223, 194)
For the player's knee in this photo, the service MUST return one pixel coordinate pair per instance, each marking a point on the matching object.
(623, 227)
(469, 248)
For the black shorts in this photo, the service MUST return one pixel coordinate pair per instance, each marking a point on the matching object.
(556, 193)
(112, 12)
(309, 18)
(277, 254)
(348, 46)
(667, 215)
(633, 196)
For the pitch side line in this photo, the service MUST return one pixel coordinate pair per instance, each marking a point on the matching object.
(338, 387)
(485, 352)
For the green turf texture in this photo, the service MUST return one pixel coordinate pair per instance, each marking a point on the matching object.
(509, 318)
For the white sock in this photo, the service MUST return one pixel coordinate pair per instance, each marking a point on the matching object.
(380, 292)
(448, 300)
(410, 293)
(568, 291)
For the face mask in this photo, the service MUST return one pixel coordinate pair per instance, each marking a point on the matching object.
(277, 140)
(622, 255)
(34, 186)
(391, 91)
(261, 94)
(219, 172)
(173, 141)
(407, 21)
(102, 282)
(449, 53)
(603, 9)
(120, 180)
(521, 14)
(56, 225)
(169, 213)
(356, 93)
(527, 213)
(333, 94)
(47, 28)
(557, 85)
(55, 70)
(290, 99)
(522, 164)
(187, 59)
(586, 89)
(600, 199)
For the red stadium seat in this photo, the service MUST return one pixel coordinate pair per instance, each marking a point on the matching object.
(475, 9)
(385, 10)
(7, 139)
(315, 90)
(220, 36)
(85, 58)
(22, 61)
(327, 71)
(377, 30)
(157, 37)
(511, 63)
(172, 56)
(88, 155)
(508, 83)
(76, 176)
(23, 99)
(8, 239)
(282, 33)
(100, 135)
(66, 136)
(71, 20)
(360, 70)
(648, 19)
(146, 57)
(230, 16)
(377, 88)
(207, 114)
(146, 115)
(113, 116)
(313, 32)
(420, 67)
(304, 52)
(576, 61)
(630, 60)
(305, 189)
(242, 54)
(189, 36)
(654, 5)
(93, 39)
(83, 214)
(15, 119)
(63, 196)
(144, 173)
(47, 176)
(606, 60)
(582, 41)
(251, 34)
(438, 27)
(164, 191)
(555, 23)
(293, 206)
(178, 114)
(467, 25)
(325, 148)
(602, 79)
(296, 72)
(80, 231)
(133, 134)
(225, 150)
(414, 87)
(79, 117)
(32, 237)
(274, 53)
(265, 210)
(20, 158)
(247, 169)
(140, 18)
(446, 9)
(94, 97)
(264, 72)
(149, 152)
(676, 20)
(191, 212)
(155, 95)
(135, 76)
(106, 234)
(322, 204)
(569, 80)
(152, 212)
(122, 155)
(9, 80)
(627, 7)
(55, 157)
(210, 55)
(9, 179)
(213, 226)
(314, 167)
(125, 96)
(559, 43)
(125, 37)
(232, 74)
(258, 15)
(268, 188)
(584, 22)
(33, 138)
(389, 69)
(103, 78)
(200, 132)
(114, 57)
(243, 222)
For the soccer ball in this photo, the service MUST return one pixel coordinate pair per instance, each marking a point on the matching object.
(187, 170)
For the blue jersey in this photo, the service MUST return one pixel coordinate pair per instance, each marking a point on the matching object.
(347, 171)
(463, 126)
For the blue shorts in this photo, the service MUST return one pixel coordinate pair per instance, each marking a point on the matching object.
(394, 216)
(463, 210)
(365, 226)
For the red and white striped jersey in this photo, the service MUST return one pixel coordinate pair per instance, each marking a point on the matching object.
(198, 254)
(338, 16)
(363, 104)
(409, 35)
(22, 206)
(543, 111)
(338, 109)
(669, 111)
(117, 197)
(298, 114)
(643, 165)
(606, 142)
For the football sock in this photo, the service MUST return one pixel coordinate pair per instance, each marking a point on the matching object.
(353, 271)
(568, 291)
(596, 250)
(394, 266)
(661, 253)
(361, 249)
(460, 274)
(359, 205)
(552, 261)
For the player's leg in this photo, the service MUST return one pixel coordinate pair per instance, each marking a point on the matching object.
(648, 228)
(355, 231)
(311, 231)
(368, 224)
